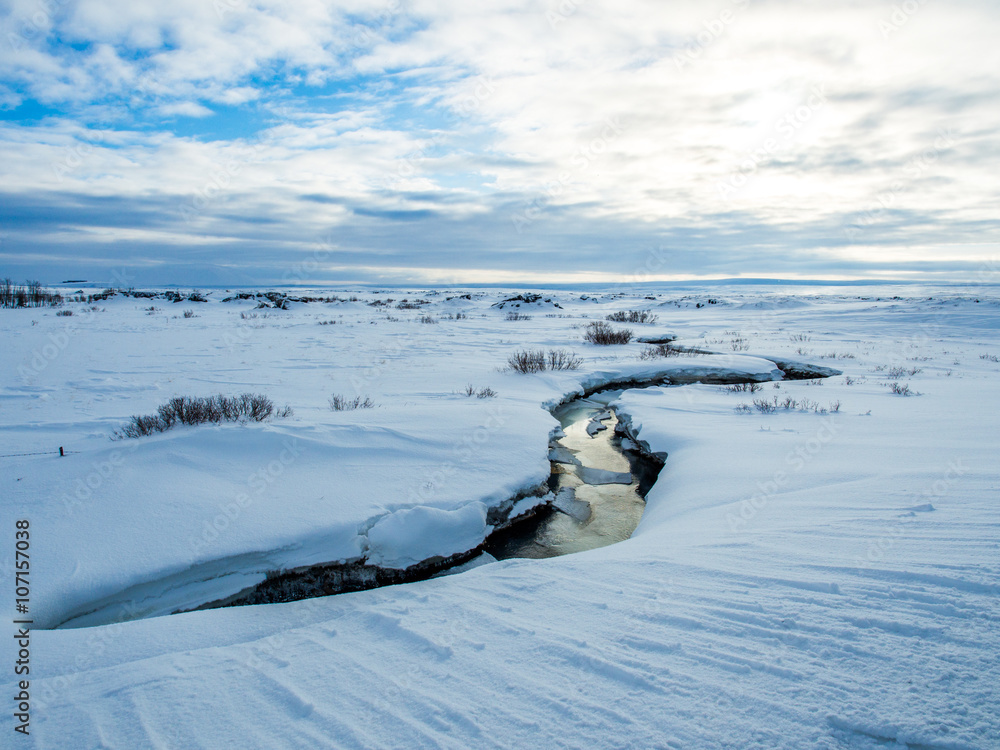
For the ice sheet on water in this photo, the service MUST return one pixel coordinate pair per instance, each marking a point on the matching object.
(602, 476)
(560, 454)
(567, 502)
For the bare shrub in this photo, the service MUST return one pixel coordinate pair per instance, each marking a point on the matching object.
(342, 403)
(990, 357)
(187, 410)
(411, 305)
(429, 319)
(739, 344)
(660, 350)
(744, 388)
(601, 333)
(561, 359)
(470, 390)
(189, 314)
(764, 406)
(528, 361)
(632, 316)
(64, 313)
(140, 426)
(901, 390)
(517, 316)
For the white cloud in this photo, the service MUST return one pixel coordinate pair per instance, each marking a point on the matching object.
(848, 120)
(238, 95)
(184, 109)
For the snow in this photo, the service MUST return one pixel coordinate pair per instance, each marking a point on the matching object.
(479, 560)
(410, 536)
(529, 503)
(798, 579)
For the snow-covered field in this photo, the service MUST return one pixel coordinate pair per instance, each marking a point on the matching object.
(813, 577)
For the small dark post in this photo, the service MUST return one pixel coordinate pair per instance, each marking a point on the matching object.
(61, 451)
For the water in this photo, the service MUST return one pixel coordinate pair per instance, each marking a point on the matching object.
(614, 508)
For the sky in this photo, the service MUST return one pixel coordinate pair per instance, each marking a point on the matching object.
(225, 142)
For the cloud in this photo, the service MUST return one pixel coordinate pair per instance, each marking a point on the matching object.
(184, 109)
(506, 129)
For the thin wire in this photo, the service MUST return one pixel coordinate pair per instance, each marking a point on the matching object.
(42, 453)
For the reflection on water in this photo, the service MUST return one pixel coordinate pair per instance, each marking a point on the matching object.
(615, 508)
